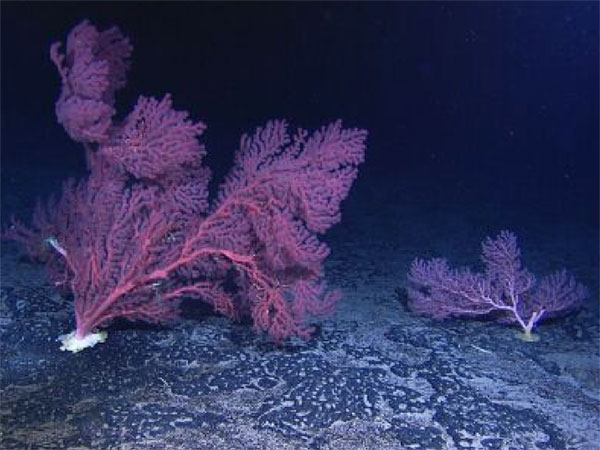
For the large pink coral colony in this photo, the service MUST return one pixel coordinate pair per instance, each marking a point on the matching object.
(140, 233)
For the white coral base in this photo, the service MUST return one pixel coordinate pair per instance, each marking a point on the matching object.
(74, 344)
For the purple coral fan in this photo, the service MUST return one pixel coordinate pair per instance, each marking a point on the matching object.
(505, 291)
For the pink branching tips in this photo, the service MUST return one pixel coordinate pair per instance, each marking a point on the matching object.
(93, 68)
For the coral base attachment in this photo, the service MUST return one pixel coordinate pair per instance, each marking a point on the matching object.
(70, 342)
(527, 337)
